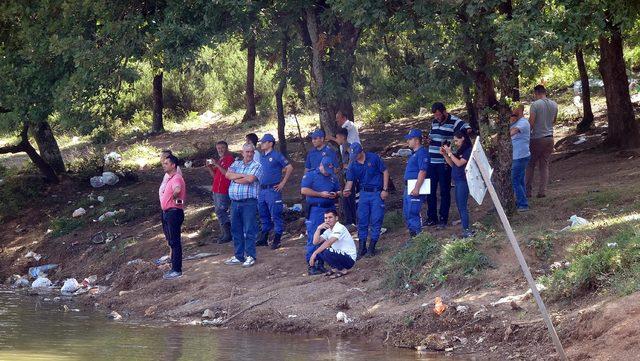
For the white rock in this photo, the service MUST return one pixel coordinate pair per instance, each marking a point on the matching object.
(79, 212)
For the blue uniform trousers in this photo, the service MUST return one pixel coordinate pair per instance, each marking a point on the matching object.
(411, 207)
(370, 214)
(316, 218)
(270, 209)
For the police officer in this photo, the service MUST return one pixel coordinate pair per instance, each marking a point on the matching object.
(272, 182)
(369, 171)
(416, 170)
(321, 188)
(319, 151)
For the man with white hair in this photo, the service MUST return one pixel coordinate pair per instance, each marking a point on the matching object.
(243, 191)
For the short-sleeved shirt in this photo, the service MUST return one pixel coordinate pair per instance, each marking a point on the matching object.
(368, 174)
(319, 182)
(457, 173)
(220, 183)
(165, 179)
(166, 199)
(520, 140)
(237, 191)
(352, 132)
(272, 164)
(545, 111)
(344, 243)
(315, 156)
(441, 132)
(418, 161)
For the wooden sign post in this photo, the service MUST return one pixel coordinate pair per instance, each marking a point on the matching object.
(478, 163)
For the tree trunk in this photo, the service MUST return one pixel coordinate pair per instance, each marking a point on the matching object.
(250, 95)
(333, 73)
(587, 113)
(158, 104)
(280, 91)
(623, 128)
(48, 146)
(502, 160)
(471, 109)
(24, 146)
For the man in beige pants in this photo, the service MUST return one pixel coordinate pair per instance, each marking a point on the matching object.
(542, 115)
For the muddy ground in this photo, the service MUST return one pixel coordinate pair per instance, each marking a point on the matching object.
(276, 295)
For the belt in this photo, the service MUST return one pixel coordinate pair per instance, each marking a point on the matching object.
(371, 189)
(267, 186)
(244, 200)
(320, 205)
(548, 136)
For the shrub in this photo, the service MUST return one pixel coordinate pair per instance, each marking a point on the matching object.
(64, 225)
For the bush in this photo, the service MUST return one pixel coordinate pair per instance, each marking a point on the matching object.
(64, 225)
(393, 220)
(90, 164)
(407, 268)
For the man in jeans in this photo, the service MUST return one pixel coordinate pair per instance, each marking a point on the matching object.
(172, 204)
(220, 188)
(443, 127)
(542, 114)
(243, 191)
(520, 133)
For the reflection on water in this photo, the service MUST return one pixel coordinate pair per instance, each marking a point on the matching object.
(31, 329)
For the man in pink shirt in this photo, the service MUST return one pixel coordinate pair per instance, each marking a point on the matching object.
(172, 203)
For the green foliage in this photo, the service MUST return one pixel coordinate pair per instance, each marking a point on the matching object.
(17, 191)
(542, 247)
(613, 263)
(393, 220)
(89, 165)
(64, 225)
(460, 259)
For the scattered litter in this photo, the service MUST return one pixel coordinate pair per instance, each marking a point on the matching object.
(110, 214)
(208, 314)
(462, 340)
(41, 282)
(518, 298)
(424, 305)
(575, 222)
(34, 272)
(162, 260)
(296, 207)
(581, 139)
(200, 256)
(49, 230)
(21, 282)
(89, 281)
(480, 340)
(383, 230)
(33, 255)
(188, 164)
(483, 309)
(108, 178)
(79, 212)
(114, 316)
(448, 349)
(436, 342)
(108, 276)
(215, 322)
(135, 261)
(612, 245)
(70, 286)
(102, 237)
(439, 307)
(292, 316)
(462, 309)
(112, 158)
(66, 308)
(101, 199)
(342, 317)
(404, 152)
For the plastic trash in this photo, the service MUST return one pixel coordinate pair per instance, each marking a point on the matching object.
(21, 282)
(89, 281)
(162, 260)
(188, 164)
(34, 272)
(577, 221)
(79, 212)
(581, 139)
(439, 307)
(612, 244)
(110, 214)
(404, 152)
(342, 317)
(33, 255)
(112, 158)
(296, 207)
(110, 178)
(100, 199)
(114, 316)
(41, 282)
(96, 182)
(70, 286)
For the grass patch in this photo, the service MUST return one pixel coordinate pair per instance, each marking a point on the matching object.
(426, 263)
(608, 264)
(64, 225)
(598, 199)
(393, 221)
(542, 247)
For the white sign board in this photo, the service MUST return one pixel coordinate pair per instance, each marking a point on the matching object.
(477, 188)
(425, 188)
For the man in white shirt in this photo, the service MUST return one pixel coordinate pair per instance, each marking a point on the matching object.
(352, 131)
(337, 248)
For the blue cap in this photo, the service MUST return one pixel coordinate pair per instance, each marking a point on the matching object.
(318, 133)
(356, 148)
(414, 133)
(327, 164)
(268, 138)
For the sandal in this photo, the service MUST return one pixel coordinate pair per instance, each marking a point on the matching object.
(338, 275)
(329, 273)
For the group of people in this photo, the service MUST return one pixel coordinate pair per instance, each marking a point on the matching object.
(247, 192)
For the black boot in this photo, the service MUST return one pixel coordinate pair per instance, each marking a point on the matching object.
(262, 239)
(363, 249)
(372, 248)
(276, 241)
(226, 233)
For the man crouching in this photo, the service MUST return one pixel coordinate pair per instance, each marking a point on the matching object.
(337, 248)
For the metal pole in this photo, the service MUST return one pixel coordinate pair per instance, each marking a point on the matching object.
(523, 263)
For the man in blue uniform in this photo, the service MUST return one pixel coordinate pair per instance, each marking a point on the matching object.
(270, 197)
(320, 187)
(369, 171)
(416, 170)
(319, 151)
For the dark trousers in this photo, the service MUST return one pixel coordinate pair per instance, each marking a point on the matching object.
(462, 196)
(349, 207)
(440, 176)
(171, 223)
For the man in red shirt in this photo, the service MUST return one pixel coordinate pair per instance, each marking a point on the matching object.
(220, 188)
(172, 204)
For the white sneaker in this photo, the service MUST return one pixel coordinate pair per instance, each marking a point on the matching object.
(250, 261)
(232, 261)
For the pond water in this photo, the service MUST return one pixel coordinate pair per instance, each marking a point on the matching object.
(33, 329)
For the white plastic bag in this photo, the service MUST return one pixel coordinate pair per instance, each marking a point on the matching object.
(79, 212)
(70, 285)
(577, 221)
(96, 182)
(41, 282)
(109, 178)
